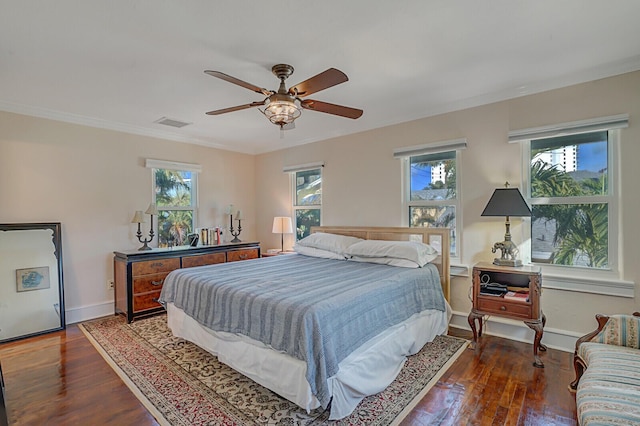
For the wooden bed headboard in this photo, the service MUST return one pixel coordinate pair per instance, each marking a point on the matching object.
(438, 238)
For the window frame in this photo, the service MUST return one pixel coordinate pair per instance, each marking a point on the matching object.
(578, 279)
(612, 200)
(405, 154)
(293, 173)
(195, 170)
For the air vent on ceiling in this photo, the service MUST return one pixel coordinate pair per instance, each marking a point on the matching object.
(172, 122)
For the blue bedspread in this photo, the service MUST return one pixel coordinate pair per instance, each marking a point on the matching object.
(317, 310)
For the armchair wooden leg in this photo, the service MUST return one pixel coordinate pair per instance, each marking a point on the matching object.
(578, 366)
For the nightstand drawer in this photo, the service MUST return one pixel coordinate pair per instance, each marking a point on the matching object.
(203, 259)
(147, 283)
(155, 266)
(235, 255)
(502, 307)
(142, 302)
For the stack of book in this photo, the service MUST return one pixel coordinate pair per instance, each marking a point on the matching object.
(517, 296)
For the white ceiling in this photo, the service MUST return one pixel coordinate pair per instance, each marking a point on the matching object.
(123, 64)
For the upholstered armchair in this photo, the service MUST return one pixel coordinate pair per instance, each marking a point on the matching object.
(607, 367)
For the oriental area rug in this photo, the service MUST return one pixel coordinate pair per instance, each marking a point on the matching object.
(182, 384)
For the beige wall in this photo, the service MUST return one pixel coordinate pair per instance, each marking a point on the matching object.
(92, 181)
(362, 181)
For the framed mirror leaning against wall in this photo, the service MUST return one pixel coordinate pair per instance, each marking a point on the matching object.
(31, 285)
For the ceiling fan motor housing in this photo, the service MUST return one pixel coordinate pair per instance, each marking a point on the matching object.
(282, 71)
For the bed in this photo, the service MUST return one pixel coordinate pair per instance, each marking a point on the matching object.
(290, 324)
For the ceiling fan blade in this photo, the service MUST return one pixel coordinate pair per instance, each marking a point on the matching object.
(319, 82)
(239, 82)
(236, 108)
(328, 108)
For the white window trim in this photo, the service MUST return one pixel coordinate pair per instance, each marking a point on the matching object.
(431, 148)
(303, 167)
(405, 154)
(612, 122)
(172, 165)
(584, 280)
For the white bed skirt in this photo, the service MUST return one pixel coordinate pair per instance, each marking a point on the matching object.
(366, 371)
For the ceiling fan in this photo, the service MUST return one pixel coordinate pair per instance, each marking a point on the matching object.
(281, 107)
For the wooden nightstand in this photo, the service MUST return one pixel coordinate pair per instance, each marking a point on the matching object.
(525, 280)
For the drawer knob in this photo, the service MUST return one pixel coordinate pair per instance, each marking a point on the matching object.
(157, 264)
(157, 283)
(503, 308)
(243, 256)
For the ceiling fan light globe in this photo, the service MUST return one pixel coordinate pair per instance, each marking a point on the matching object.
(281, 112)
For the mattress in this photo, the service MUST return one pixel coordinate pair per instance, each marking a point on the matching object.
(366, 371)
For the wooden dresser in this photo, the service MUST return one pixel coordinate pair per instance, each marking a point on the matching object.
(139, 275)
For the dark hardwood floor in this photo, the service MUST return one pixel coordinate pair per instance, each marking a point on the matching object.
(60, 379)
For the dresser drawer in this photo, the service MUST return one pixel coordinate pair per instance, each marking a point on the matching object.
(244, 254)
(145, 301)
(504, 307)
(203, 259)
(155, 266)
(147, 283)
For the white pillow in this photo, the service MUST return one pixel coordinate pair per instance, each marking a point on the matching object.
(314, 252)
(403, 263)
(410, 250)
(330, 242)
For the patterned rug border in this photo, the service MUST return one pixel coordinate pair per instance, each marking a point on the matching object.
(228, 414)
(124, 376)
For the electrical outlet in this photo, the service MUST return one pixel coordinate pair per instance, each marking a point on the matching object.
(109, 284)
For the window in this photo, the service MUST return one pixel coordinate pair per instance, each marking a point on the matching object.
(572, 200)
(174, 193)
(570, 175)
(432, 182)
(307, 200)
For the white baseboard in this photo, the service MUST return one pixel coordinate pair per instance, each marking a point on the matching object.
(554, 338)
(87, 312)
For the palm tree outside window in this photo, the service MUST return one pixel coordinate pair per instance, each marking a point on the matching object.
(175, 198)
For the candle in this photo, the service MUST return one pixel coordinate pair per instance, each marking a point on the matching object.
(239, 215)
(230, 209)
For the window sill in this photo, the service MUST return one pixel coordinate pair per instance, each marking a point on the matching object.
(605, 286)
(458, 270)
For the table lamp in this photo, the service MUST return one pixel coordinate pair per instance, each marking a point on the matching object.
(507, 202)
(282, 225)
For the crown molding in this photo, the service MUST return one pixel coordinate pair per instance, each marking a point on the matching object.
(82, 120)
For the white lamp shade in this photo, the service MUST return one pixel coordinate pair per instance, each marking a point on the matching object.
(138, 217)
(282, 225)
(152, 209)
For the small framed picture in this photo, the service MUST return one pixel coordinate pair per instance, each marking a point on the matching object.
(32, 278)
